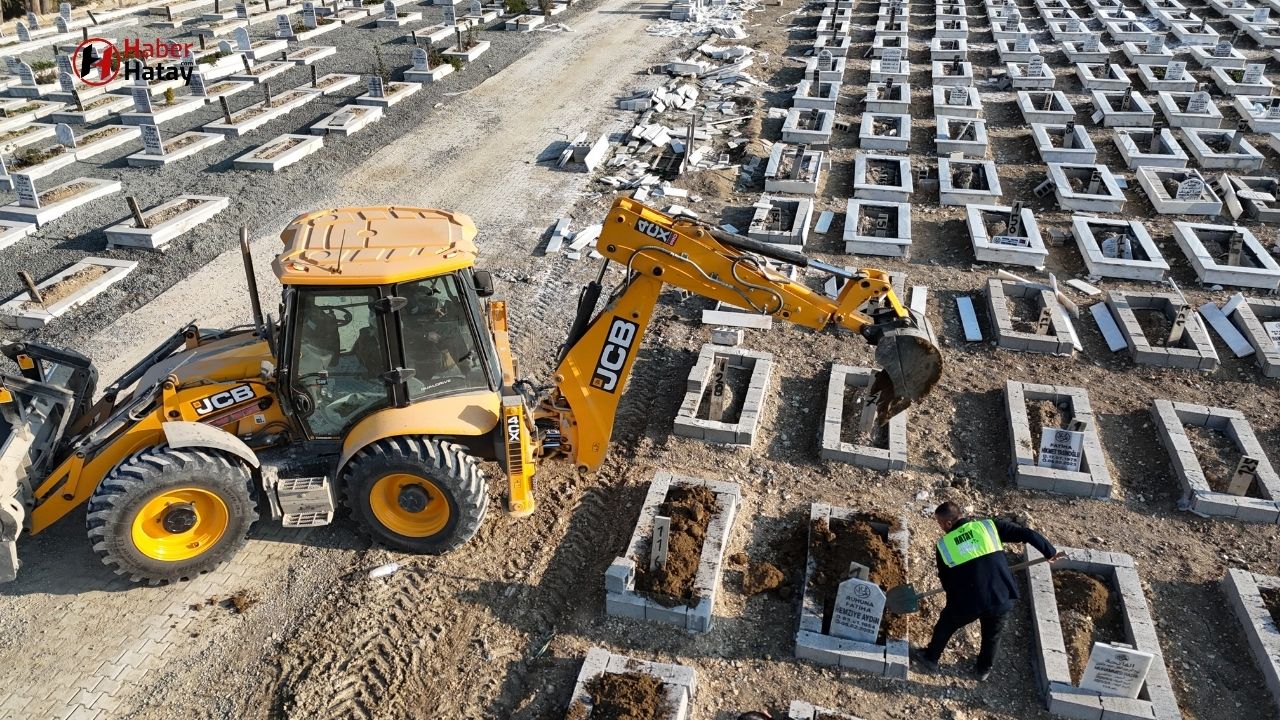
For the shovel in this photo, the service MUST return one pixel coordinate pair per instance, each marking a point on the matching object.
(904, 598)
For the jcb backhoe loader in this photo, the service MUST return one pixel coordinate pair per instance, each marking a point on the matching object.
(383, 384)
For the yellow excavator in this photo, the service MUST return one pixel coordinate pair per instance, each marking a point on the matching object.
(387, 379)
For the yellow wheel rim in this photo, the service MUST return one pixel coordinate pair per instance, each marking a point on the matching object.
(409, 505)
(179, 524)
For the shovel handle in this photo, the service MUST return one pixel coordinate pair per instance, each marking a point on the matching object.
(1012, 568)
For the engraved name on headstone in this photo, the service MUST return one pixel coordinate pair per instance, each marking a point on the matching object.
(141, 99)
(1116, 671)
(1060, 449)
(376, 88)
(151, 140)
(1190, 189)
(859, 607)
(25, 189)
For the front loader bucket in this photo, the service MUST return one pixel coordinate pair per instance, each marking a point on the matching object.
(910, 365)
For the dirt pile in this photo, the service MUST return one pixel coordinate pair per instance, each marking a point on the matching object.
(761, 578)
(625, 696)
(836, 544)
(1271, 598)
(1090, 612)
(1044, 414)
(690, 510)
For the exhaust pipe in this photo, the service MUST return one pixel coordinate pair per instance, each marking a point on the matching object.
(252, 280)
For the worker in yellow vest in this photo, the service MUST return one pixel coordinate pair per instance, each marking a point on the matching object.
(976, 578)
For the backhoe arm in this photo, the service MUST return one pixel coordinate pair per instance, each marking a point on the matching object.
(658, 249)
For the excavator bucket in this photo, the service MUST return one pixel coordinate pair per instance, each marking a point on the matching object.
(910, 366)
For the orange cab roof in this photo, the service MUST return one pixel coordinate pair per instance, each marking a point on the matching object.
(374, 246)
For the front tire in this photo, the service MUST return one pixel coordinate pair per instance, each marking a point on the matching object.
(416, 494)
(167, 514)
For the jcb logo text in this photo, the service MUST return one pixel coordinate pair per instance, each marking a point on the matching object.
(613, 356)
(222, 400)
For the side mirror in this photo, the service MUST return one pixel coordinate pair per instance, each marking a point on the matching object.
(484, 283)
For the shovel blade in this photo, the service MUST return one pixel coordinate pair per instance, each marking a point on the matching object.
(902, 600)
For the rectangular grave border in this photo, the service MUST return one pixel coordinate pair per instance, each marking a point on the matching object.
(1033, 254)
(1211, 272)
(156, 237)
(1093, 480)
(1171, 417)
(898, 245)
(621, 597)
(13, 315)
(1248, 319)
(1122, 304)
(1057, 342)
(679, 680)
(894, 457)
(742, 432)
(889, 660)
(1243, 591)
(1053, 673)
(801, 710)
(1084, 228)
(204, 140)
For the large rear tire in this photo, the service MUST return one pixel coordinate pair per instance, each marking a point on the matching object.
(416, 494)
(167, 514)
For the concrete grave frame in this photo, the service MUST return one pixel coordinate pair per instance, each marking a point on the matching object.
(1223, 78)
(795, 234)
(1244, 593)
(942, 75)
(125, 234)
(1245, 158)
(1248, 319)
(1017, 73)
(332, 83)
(119, 135)
(395, 92)
(895, 244)
(310, 54)
(887, 101)
(30, 135)
(225, 88)
(828, 95)
(948, 194)
(890, 659)
(743, 432)
(1102, 76)
(361, 117)
(680, 681)
(1139, 113)
(868, 139)
(1135, 148)
(46, 214)
(1170, 419)
(1254, 110)
(801, 710)
(39, 170)
(1085, 229)
(11, 232)
(263, 71)
(817, 136)
(1082, 150)
(1093, 480)
(865, 190)
(621, 597)
(1173, 105)
(1110, 199)
(1156, 700)
(1152, 181)
(894, 457)
(975, 148)
(807, 180)
(1033, 254)
(107, 105)
(1202, 53)
(1057, 342)
(945, 49)
(1265, 273)
(1032, 103)
(1200, 355)
(1250, 193)
(282, 104)
(971, 109)
(202, 140)
(303, 146)
(13, 314)
(1147, 74)
(1076, 52)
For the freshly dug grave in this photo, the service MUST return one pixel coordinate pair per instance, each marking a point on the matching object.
(835, 544)
(690, 510)
(624, 696)
(1090, 612)
(1271, 599)
(1043, 414)
(734, 394)
(1217, 455)
(1156, 327)
(1024, 312)
(851, 422)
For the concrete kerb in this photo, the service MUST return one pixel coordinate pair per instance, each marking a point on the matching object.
(1153, 179)
(1197, 351)
(1156, 700)
(890, 659)
(1262, 271)
(1057, 341)
(742, 432)
(895, 240)
(680, 681)
(1107, 198)
(1086, 230)
(1244, 593)
(1027, 248)
(1248, 319)
(1093, 479)
(865, 189)
(894, 457)
(801, 710)
(621, 597)
(157, 236)
(19, 312)
(1171, 418)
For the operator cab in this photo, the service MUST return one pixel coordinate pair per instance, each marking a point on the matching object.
(352, 345)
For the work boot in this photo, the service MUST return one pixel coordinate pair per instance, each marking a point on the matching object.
(918, 655)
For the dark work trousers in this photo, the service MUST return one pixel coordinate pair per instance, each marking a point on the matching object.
(949, 622)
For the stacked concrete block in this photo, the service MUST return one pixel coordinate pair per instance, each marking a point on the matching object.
(621, 597)
(1092, 480)
(894, 457)
(1248, 318)
(812, 643)
(1257, 269)
(1146, 262)
(679, 681)
(742, 432)
(890, 234)
(1171, 419)
(1244, 593)
(1156, 700)
(1025, 248)
(962, 182)
(1056, 341)
(801, 710)
(1196, 350)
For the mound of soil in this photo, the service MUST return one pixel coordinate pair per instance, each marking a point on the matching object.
(623, 696)
(761, 578)
(836, 544)
(1044, 414)
(690, 510)
(1090, 612)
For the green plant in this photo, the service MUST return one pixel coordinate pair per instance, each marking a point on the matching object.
(434, 59)
(517, 7)
(456, 62)
(380, 67)
(39, 65)
(472, 40)
(169, 97)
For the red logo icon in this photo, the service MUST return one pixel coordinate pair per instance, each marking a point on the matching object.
(96, 61)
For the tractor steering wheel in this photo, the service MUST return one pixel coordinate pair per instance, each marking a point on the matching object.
(342, 317)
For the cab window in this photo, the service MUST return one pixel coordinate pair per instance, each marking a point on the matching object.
(341, 357)
(439, 340)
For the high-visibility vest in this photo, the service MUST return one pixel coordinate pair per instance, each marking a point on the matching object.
(968, 542)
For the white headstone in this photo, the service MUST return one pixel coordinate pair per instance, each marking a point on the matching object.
(1175, 70)
(858, 610)
(450, 16)
(63, 63)
(1222, 49)
(141, 99)
(224, 47)
(1022, 43)
(1060, 449)
(241, 36)
(1074, 25)
(1198, 103)
(198, 86)
(1260, 15)
(309, 15)
(1190, 189)
(826, 62)
(890, 61)
(11, 64)
(376, 89)
(475, 9)
(1091, 43)
(24, 35)
(64, 11)
(151, 140)
(66, 137)
(1273, 332)
(419, 59)
(26, 75)
(958, 95)
(1115, 671)
(242, 11)
(1253, 73)
(389, 10)
(26, 190)
(1273, 109)
(284, 28)
(1155, 45)
(61, 24)
(1035, 68)
(66, 83)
